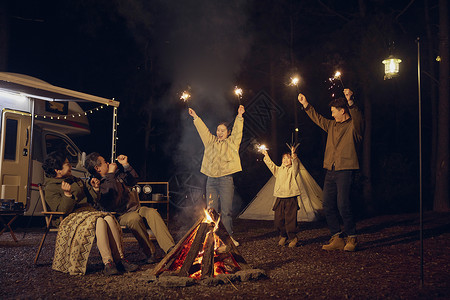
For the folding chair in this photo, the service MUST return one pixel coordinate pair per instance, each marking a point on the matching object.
(48, 219)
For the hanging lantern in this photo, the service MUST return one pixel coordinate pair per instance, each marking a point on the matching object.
(391, 67)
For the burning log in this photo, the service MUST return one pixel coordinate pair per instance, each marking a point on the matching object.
(206, 250)
(208, 256)
(195, 248)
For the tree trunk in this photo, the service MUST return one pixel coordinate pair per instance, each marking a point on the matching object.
(4, 35)
(441, 200)
(366, 167)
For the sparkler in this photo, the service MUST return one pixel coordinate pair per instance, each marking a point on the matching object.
(294, 82)
(185, 96)
(337, 75)
(261, 148)
(238, 93)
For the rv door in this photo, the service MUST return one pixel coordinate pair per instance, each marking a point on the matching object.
(15, 155)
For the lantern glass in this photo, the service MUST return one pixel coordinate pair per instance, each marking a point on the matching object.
(391, 66)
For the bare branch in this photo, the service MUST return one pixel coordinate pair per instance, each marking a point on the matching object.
(333, 11)
(405, 9)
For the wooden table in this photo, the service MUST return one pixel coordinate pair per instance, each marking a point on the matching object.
(7, 226)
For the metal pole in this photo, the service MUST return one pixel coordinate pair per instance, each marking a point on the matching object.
(30, 153)
(420, 163)
(114, 135)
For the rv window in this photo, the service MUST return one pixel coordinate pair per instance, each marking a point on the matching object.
(57, 143)
(11, 139)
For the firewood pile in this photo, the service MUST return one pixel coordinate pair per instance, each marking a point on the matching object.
(206, 254)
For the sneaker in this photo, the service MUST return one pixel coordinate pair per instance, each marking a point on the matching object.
(125, 266)
(110, 269)
(293, 243)
(236, 243)
(351, 243)
(336, 243)
(282, 241)
(151, 259)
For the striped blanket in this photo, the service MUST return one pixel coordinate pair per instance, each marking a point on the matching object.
(74, 241)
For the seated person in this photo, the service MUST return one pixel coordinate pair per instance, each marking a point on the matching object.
(116, 197)
(71, 195)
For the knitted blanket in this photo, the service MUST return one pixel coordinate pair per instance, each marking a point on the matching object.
(74, 241)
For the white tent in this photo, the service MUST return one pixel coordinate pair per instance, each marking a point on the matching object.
(309, 201)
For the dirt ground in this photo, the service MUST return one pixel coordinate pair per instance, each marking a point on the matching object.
(387, 266)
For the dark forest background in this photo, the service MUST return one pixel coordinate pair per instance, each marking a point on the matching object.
(143, 53)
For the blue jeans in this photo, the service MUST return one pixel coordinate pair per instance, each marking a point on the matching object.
(219, 195)
(336, 201)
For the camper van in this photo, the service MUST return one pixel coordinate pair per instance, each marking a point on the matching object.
(38, 118)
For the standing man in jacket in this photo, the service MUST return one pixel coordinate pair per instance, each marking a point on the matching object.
(340, 161)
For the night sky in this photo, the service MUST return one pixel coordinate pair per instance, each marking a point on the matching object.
(144, 53)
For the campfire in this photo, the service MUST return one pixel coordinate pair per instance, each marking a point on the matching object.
(205, 251)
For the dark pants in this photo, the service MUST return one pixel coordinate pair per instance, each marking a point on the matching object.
(286, 216)
(336, 201)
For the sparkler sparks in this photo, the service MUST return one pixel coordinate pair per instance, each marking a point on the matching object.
(185, 96)
(262, 148)
(294, 81)
(337, 76)
(238, 92)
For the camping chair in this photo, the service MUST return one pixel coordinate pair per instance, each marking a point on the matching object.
(48, 220)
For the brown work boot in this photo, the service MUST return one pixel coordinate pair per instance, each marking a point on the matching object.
(336, 243)
(282, 241)
(351, 243)
(293, 243)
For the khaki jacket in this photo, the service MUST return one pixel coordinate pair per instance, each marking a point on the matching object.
(285, 182)
(342, 139)
(220, 158)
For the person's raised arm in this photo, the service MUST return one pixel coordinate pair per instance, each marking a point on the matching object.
(203, 131)
(129, 176)
(238, 127)
(295, 161)
(269, 163)
(355, 113)
(313, 115)
(192, 113)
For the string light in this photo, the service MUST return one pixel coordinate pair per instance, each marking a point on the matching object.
(80, 114)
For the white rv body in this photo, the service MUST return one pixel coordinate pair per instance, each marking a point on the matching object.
(37, 118)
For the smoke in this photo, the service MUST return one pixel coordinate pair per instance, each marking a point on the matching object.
(201, 45)
(204, 45)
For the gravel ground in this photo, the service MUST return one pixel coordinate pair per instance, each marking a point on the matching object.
(387, 265)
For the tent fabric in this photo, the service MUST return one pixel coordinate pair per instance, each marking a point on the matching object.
(309, 200)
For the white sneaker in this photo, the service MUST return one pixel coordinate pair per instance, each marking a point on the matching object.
(236, 243)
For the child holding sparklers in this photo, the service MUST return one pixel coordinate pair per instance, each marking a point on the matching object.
(286, 191)
(220, 161)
